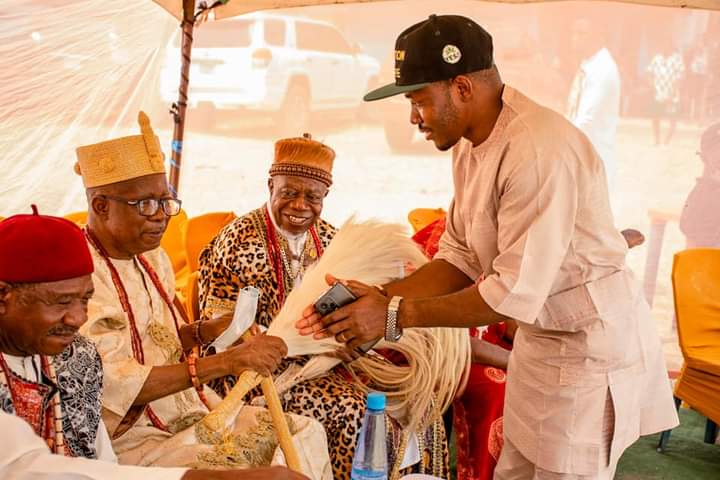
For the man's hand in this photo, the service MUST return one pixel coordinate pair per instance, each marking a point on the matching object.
(215, 327)
(487, 353)
(633, 238)
(345, 354)
(269, 473)
(261, 354)
(354, 324)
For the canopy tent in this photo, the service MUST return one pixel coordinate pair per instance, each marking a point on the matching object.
(185, 11)
(75, 73)
(231, 8)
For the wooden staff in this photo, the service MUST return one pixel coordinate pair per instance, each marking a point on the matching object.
(279, 421)
(225, 413)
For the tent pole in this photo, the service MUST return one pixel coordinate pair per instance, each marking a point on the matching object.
(179, 109)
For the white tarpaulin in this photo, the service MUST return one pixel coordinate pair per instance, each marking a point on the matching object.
(238, 7)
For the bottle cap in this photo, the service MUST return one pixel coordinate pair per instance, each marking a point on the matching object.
(376, 401)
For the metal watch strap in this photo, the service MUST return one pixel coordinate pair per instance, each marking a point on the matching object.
(392, 331)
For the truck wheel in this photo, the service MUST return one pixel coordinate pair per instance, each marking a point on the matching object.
(399, 135)
(203, 118)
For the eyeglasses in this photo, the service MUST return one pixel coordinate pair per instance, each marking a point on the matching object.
(147, 207)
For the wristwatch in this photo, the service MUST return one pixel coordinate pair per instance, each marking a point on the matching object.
(392, 331)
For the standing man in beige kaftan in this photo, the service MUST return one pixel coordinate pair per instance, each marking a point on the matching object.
(149, 354)
(531, 218)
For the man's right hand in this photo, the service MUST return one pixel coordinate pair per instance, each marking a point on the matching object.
(274, 473)
(261, 354)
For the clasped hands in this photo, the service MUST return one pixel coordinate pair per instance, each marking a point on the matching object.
(355, 324)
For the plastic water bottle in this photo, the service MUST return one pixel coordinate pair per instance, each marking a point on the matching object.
(370, 460)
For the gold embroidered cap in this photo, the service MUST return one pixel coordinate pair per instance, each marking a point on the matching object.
(303, 157)
(122, 158)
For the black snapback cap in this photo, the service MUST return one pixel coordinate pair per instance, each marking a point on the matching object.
(435, 49)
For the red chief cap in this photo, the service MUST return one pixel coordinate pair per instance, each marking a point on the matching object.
(40, 248)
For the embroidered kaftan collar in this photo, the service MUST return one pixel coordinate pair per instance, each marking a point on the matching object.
(25, 367)
(296, 242)
(500, 124)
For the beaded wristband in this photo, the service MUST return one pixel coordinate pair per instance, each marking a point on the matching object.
(192, 368)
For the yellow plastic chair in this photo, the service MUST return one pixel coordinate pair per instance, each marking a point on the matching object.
(79, 218)
(199, 231)
(172, 241)
(696, 291)
(422, 217)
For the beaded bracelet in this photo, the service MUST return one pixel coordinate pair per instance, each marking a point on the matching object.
(197, 336)
(192, 368)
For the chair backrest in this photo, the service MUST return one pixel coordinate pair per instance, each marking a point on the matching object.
(199, 231)
(422, 217)
(696, 290)
(79, 218)
(192, 300)
(172, 241)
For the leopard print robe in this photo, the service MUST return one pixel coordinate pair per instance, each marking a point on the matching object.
(238, 257)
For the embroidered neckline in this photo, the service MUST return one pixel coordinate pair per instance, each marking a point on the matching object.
(136, 341)
(52, 420)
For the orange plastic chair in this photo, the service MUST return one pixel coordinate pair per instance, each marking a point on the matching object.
(172, 241)
(422, 217)
(199, 231)
(696, 291)
(80, 218)
(191, 294)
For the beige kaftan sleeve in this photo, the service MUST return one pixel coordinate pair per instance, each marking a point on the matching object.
(108, 328)
(536, 219)
(453, 247)
(25, 456)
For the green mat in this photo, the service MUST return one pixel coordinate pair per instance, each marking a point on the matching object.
(687, 457)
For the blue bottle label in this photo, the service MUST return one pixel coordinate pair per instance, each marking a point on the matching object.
(358, 474)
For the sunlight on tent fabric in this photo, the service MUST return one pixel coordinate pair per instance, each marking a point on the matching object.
(238, 7)
(71, 74)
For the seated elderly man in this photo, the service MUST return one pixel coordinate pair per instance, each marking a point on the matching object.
(50, 377)
(269, 249)
(150, 366)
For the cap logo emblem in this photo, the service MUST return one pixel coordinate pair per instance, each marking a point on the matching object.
(451, 54)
